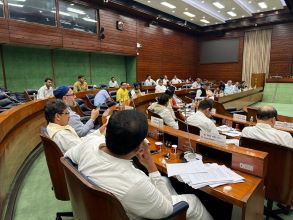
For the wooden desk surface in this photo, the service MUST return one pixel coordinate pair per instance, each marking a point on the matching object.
(238, 195)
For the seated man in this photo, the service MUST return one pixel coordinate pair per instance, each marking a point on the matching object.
(229, 88)
(201, 118)
(80, 85)
(110, 167)
(161, 108)
(149, 81)
(46, 90)
(113, 83)
(175, 80)
(102, 96)
(57, 116)
(160, 87)
(135, 92)
(122, 93)
(66, 94)
(264, 129)
(196, 84)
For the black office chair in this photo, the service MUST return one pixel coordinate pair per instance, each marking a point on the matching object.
(29, 94)
(90, 202)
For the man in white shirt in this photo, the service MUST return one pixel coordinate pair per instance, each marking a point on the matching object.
(57, 116)
(149, 81)
(201, 118)
(175, 80)
(161, 108)
(264, 129)
(165, 80)
(113, 83)
(196, 84)
(160, 87)
(229, 88)
(110, 167)
(46, 90)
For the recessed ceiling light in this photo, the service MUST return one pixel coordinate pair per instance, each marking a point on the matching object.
(229, 18)
(233, 9)
(204, 21)
(261, 14)
(249, 2)
(218, 5)
(274, 8)
(202, 1)
(149, 1)
(168, 5)
(258, 10)
(231, 13)
(189, 14)
(219, 11)
(203, 17)
(216, 23)
(243, 16)
(186, 9)
(72, 4)
(262, 5)
(173, 11)
(191, 19)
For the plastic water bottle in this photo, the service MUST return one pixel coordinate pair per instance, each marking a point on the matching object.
(251, 120)
(34, 97)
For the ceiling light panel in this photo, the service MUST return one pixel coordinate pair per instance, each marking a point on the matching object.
(167, 4)
(231, 13)
(192, 12)
(218, 5)
(262, 5)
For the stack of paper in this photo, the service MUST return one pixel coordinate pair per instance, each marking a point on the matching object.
(197, 175)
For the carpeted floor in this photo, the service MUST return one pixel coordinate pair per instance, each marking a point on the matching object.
(36, 200)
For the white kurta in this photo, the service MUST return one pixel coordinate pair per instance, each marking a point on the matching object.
(150, 82)
(66, 137)
(265, 132)
(159, 88)
(140, 195)
(203, 122)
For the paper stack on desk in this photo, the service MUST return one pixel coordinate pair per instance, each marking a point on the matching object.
(197, 175)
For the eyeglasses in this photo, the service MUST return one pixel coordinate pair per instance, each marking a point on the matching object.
(64, 113)
(70, 94)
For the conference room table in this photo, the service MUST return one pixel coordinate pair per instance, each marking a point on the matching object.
(247, 198)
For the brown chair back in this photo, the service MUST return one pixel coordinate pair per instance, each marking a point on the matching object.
(53, 155)
(191, 129)
(279, 178)
(220, 109)
(90, 202)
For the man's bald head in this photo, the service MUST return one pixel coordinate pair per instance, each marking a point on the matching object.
(266, 112)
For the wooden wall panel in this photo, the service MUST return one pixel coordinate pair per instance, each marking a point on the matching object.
(117, 41)
(34, 34)
(282, 49)
(79, 40)
(4, 34)
(165, 51)
(222, 71)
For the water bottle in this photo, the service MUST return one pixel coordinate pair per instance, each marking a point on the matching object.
(34, 96)
(251, 120)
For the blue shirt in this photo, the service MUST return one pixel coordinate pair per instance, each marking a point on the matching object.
(101, 97)
(228, 89)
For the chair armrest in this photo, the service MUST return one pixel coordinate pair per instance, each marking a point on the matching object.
(179, 211)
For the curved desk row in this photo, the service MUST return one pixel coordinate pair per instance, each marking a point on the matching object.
(19, 136)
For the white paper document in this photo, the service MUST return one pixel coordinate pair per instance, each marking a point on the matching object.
(191, 167)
